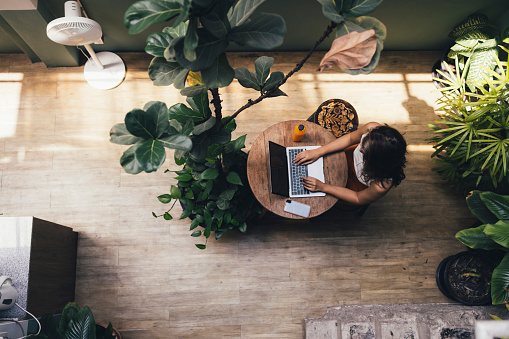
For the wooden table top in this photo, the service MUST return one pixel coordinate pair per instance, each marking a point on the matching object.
(258, 170)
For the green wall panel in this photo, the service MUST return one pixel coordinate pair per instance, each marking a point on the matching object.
(411, 24)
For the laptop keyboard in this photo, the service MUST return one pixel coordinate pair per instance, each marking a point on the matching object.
(297, 172)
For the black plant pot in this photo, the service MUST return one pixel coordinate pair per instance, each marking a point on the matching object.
(466, 277)
(439, 65)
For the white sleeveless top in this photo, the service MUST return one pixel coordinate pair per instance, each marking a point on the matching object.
(358, 162)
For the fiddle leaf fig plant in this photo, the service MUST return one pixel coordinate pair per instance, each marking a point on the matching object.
(190, 54)
(493, 211)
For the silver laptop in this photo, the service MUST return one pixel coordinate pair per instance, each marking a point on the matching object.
(286, 177)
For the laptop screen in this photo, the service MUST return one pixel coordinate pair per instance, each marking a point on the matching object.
(278, 169)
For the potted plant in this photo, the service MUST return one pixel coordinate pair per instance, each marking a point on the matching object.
(476, 39)
(74, 323)
(466, 277)
(471, 138)
(212, 184)
(492, 210)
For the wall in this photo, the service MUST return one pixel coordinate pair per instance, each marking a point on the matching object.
(411, 24)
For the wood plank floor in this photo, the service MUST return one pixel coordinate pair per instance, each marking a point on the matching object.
(145, 275)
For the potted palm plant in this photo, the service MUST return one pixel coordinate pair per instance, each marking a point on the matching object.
(481, 275)
(471, 134)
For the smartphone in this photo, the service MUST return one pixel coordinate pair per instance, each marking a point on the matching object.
(298, 208)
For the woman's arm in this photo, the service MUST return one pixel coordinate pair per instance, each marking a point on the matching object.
(374, 192)
(337, 145)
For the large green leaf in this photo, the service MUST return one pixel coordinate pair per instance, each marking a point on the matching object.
(191, 39)
(128, 160)
(476, 238)
(361, 7)
(233, 178)
(186, 6)
(178, 142)
(228, 194)
(262, 67)
(208, 49)
(201, 144)
(219, 74)
(339, 10)
(150, 155)
(500, 282)
(497, 204)
(273, 80)
(264, 31)
(157, 43)
(499, 232)
(246, 78)
(176, 31)
(239, 143)
(242, 10)
(159, 113)
(479, 208)
(164, 73)
(221, 136)
(70, 310)
(470, 41)
(142, 14)
(146, 125)
(200, 103)
(193, 91)
(182, 113)
(479, 61)
(205, 126)
(475, 21)
(216, 21)
(209, 174)
(330, 11)
(81, 326)
(121, 136)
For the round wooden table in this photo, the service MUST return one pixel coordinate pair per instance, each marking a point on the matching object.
(258, 170)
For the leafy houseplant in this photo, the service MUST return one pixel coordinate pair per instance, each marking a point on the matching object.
(74, 323)
(493, 211)
(477, 40)
(471, 139)
(212, 185)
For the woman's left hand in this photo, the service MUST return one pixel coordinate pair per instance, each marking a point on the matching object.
(312, 184)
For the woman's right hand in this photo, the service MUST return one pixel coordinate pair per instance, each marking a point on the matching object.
(307, 157)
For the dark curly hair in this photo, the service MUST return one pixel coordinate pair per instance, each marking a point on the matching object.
(384, 151)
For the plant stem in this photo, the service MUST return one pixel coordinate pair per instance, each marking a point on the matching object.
(250, 102)
(216, 101)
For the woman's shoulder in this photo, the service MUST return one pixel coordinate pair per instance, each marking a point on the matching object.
(382, 186)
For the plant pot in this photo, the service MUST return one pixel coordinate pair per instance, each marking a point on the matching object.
(100, 328)
(466, 277)
(439, 65)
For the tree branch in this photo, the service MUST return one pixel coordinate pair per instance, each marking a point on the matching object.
(216, 101)
(250, 102)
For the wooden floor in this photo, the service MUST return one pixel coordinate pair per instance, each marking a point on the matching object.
(146, 276)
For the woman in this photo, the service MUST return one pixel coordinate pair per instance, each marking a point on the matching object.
(377, 156)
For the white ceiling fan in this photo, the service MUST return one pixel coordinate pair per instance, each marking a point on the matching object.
(106, 70)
